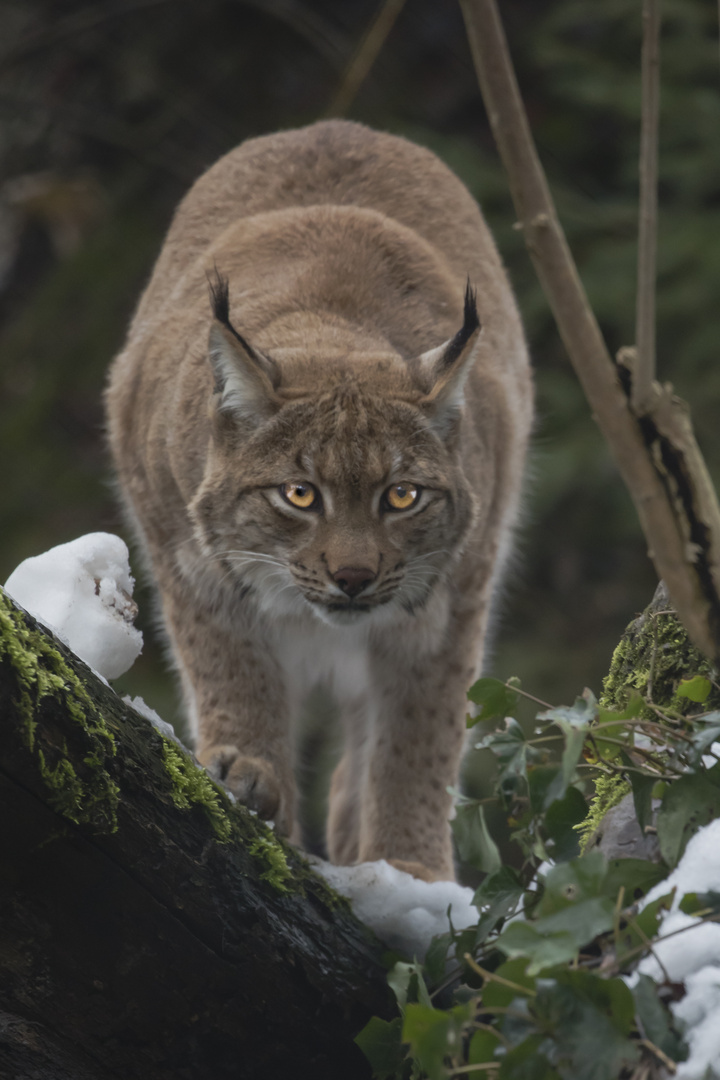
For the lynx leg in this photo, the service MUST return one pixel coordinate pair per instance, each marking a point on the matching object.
(415, 755)
(343, 834)
(238, 700)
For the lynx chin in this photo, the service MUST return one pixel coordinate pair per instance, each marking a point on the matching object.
(322, 462)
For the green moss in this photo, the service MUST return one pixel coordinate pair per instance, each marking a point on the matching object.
(278, 872)
(41, 672)
(609, 791)
(653, 655)
(191, 786)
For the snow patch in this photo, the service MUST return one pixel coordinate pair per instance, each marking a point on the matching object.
(82, 591)
(693, 956)
(403, 911)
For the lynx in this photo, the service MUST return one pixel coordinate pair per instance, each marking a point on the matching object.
(323, 464)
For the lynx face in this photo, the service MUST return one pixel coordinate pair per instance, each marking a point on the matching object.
(350, 504)
(349, 501)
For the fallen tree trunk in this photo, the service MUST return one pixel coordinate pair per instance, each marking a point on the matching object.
(148, 927)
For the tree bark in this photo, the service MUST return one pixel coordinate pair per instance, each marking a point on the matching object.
(148, 927)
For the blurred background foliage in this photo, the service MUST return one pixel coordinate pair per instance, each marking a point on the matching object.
(110, 109)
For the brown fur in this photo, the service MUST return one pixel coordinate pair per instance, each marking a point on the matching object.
(347, 254)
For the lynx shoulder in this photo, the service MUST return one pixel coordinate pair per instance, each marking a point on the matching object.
(322, 462)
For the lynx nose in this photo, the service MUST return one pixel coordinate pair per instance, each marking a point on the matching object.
(353, 579)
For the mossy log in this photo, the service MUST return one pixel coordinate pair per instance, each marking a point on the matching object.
(148, 927)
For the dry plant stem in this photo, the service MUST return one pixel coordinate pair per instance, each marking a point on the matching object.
(659, 461)
(643, 389)
(364, 57)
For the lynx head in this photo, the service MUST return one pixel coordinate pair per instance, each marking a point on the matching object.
(335, 484)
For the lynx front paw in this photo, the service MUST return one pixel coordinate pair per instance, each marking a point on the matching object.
(253, 782)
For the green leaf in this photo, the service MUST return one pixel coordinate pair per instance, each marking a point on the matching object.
(688, 804)
(570, 882)
(583, 920)
(642, 787)
(560, 820)
(499, 892)
(481, 1051)
(496, 994)
(645, 927)
(696, 689)
(427, 1030)
(474, 843)
(588, 1043)
(655, 1019)
(637, 875)
(381, 1043)
(579, 715)
(407, 983)
(708, 902)
(526, 1061)
(496, 699)
(436, 957)
(544, 950)
(510, 746)
(574, 724)
(702, 738)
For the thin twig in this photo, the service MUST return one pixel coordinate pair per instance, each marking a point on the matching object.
(364, 58)
(644, 369)
(668, 1062)
(691, 572)
(490, 976)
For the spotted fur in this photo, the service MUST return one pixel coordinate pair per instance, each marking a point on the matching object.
(361, 334)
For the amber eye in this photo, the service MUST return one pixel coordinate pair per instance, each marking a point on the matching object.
(303, 496)
(402, 496)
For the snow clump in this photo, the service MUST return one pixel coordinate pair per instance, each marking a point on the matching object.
(692, 957)
(82, 591)
(403, 911)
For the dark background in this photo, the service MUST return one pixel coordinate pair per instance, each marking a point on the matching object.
(109, 110)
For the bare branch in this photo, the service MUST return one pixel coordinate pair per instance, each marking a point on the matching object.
(658, 458)
(643, 391)
(364, 57)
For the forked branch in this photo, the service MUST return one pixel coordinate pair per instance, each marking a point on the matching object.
(655, 450)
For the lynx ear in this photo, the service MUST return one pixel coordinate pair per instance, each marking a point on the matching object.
(443, 371)
(245, 380)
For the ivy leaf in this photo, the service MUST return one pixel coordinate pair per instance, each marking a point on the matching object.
(588, 1043)
(482, 1051)
(544, 950)
(500, 891)
(511, 748)
(574, 881)
(642, 787)
(703, 738)
(708, 902)
(498, 995)
(688, 804)
(381, 1043)
(655, 1019)
(436, 956)
(579, 715)
(574, 724)
(474, 843)
(427, 1030)
(644, 927)
(636, 875)
(497, 700)
(407, 983)
(561, 818)
(696, 689)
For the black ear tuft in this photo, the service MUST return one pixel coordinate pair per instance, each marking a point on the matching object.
(220, 297)
(471, 323)
(220, 301)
